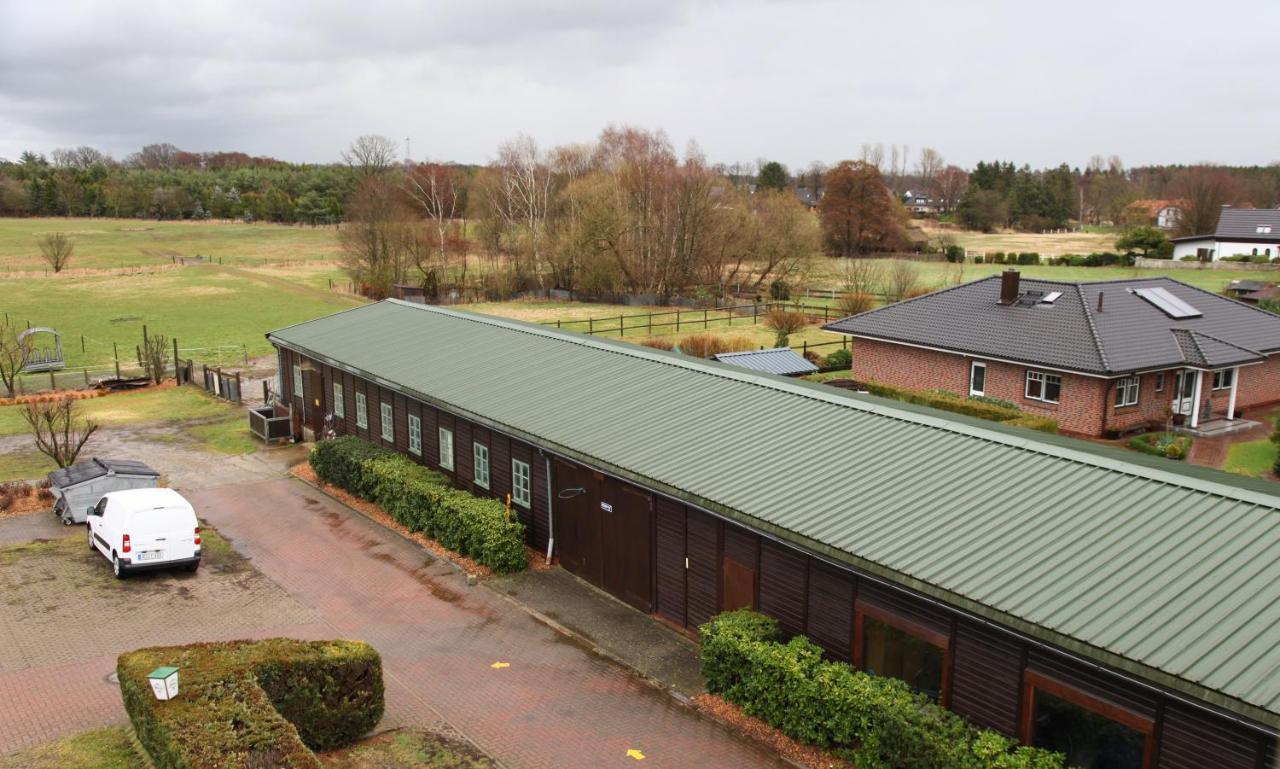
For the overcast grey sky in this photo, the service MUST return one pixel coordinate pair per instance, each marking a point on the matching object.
(1036, 82)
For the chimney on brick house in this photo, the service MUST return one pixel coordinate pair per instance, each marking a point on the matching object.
(1100, 295)
(1010, 280)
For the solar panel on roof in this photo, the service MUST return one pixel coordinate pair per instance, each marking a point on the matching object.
(1167, 303)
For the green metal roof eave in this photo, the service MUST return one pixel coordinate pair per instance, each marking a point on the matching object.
(957, 600)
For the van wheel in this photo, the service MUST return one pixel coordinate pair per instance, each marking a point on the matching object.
(117, 568)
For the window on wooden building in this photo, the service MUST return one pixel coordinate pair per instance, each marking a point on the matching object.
(362, 411)
(339, 406)
(446, 448)
(297, 380)
(1093, 733)
(388, 425)
(885, 644)
(480, 453)
(520, 483)
(1043, 387)
(415, 435)
(1127, 391)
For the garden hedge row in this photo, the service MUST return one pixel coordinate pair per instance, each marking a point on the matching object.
(874, 722)
(253, 703)
(422, 500)
(983, 408)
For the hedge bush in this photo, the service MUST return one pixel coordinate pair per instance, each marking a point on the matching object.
(1167, 445)
(422, 500)
(874, 722)
(253, 703)
(839, 359)
(992, 409)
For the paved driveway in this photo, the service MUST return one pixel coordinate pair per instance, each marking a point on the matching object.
(326, 571)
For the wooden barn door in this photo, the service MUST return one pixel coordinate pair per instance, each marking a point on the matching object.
(577, 521)
(738, 569)
(626, 513)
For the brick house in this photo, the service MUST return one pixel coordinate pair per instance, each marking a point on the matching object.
(1100, 358)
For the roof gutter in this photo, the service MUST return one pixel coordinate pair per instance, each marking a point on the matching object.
(953, 601)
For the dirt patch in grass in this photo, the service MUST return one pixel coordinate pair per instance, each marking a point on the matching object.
(726, 712)
(408, 749)
(111, 748)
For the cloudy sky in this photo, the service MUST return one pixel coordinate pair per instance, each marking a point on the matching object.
(1032, 82)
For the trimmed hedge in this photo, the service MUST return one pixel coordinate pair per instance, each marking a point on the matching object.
(874, 722)
(1162, 445)
(422, 500)
(253, 703)
(991, 409)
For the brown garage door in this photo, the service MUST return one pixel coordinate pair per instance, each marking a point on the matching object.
(604, 533)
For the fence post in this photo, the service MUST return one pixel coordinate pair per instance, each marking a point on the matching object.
(677, 321)
(804, 350)
(650, 323)
(237, 387)
(591, 326)
(53, 385)
(622, 329)
(704, 318)
(177, 369)
(82, 343)
(266, 393)
(115, 353)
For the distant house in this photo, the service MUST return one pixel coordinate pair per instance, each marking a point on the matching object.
(1240, 232)
(809, 196)
(1099, 357)
(781, 360)
(919, 203)
(1153, 213)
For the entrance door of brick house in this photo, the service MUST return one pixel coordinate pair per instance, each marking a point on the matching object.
(1184, 392)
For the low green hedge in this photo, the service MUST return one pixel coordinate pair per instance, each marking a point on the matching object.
(422, 500)
(253, 703)
(874, 722)
(1168, 445)
(992, 409)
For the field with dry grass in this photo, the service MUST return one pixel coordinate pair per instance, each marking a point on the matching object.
(1051, 244)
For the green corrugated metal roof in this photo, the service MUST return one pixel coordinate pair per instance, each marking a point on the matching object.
(1165, 571)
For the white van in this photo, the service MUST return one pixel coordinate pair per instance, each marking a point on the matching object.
(141, 529)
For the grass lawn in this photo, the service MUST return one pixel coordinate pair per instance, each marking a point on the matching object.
(165, 404)
(203, 306)
(115, 748)
(106, 243)
(1254, 458)
(226, 436)
(1055, 244)
(111, 748)
(24, 466)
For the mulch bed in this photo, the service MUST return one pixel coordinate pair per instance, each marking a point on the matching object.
(27, 503)
(748, 726)
(537, 561)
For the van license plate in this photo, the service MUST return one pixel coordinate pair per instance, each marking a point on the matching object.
(150, 555)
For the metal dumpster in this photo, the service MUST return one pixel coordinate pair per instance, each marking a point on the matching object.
(79, 487)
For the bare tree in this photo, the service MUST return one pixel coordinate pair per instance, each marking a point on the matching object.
(56, 248)
(58, 430)
(903, 280)
(438, 189)
(863, 276)
(520, 193)
(928, 167)
(371, 155)
(13, 354)
(79, 158)
(155, 156)
(155, 356)
(375, 237)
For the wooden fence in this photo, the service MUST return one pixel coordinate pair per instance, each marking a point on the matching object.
(677, 320)
(223, 384)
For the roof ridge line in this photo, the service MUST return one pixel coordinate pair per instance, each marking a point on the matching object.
(812, 391)
(1093, 329)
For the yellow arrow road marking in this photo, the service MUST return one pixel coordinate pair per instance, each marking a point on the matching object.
(500, 665)
(637, 755)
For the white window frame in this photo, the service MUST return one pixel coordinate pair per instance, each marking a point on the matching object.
(521, 483)
(1043, 378)
(479, 462)
(415, 435)
(446, 448)
(1159, 381)
(362, 410)
(973, 367)
(1127, 390)
(339, 405)
(297, 380)
(1223, 378)
(387, 421)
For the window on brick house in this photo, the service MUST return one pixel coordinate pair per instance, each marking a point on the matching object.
(1224, 378)
(1160, 382)
(1127, 391)
(978, 378)
(1044, 387)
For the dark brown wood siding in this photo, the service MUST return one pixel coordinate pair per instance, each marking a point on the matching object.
(500, 466)
(783, 578)
(703, 579)
(830, 620)
(1192, 739)
(541, 530)
(986, 681)
(670, 557)
(462, 451)
(400, 410)
(1103, 687)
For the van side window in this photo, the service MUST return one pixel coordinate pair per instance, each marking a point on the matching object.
(102, 506)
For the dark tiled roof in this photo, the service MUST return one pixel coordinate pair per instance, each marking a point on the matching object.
(782, 360)
(1129, 334)
(1243, 223)
(96, 468)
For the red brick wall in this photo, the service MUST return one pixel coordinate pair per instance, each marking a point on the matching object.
(1259, 384)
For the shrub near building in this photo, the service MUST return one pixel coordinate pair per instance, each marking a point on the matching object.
(874, 722)
(422, 500)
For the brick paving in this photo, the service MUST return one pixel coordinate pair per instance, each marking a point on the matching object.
(556, 705)
(316, 569)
